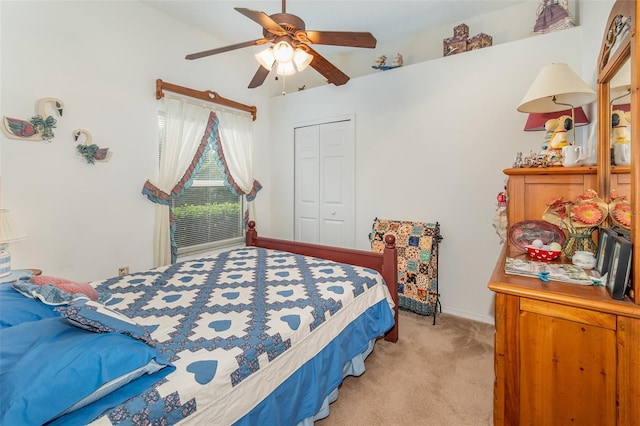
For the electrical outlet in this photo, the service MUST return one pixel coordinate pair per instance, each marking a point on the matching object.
(123, 270)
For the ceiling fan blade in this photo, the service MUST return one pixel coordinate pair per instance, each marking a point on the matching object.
(327, 69)
(342, 38)
(259, 77)
(262, 19)
(226, 48)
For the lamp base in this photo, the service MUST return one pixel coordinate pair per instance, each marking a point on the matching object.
(5, 263)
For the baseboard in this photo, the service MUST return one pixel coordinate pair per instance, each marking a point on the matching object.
(488, 319)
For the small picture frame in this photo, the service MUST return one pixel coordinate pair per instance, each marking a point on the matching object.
(605, 245)
(619, 267)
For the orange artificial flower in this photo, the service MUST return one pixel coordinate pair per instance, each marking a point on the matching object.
(620, 212)
(587, 213)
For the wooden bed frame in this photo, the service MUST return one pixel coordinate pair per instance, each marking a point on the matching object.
(386, 263)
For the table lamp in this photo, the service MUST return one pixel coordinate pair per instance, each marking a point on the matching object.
(9, 232)
(537, 120)
(555, 88)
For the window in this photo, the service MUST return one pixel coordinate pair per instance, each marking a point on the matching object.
(207, 214)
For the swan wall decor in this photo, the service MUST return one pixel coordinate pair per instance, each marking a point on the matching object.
(90, 151)
(38, 128)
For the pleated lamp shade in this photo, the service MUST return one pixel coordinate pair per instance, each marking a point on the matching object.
(555, 88)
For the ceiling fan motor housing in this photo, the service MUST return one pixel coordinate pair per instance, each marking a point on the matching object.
(291, 23)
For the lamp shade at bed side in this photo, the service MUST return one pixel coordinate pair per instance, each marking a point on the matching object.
(9, 233)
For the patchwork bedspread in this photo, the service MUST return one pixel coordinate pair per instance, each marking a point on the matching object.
(236, 326)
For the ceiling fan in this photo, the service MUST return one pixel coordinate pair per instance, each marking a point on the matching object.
(284, 29)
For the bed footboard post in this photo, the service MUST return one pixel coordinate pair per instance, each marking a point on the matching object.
(390, 275)
(251, 234)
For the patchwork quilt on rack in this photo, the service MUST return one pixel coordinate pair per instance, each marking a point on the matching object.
(417, 247)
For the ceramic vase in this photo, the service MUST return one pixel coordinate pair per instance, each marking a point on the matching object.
(579, 239)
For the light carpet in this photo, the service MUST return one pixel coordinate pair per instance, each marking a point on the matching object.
(434, 375)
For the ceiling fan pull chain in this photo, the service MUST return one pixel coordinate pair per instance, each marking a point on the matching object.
(284, 85)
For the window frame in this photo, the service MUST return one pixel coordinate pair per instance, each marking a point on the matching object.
(211, 245)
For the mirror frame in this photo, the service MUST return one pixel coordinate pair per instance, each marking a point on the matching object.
(609, 62)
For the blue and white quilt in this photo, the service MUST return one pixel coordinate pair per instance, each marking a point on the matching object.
(239, 326)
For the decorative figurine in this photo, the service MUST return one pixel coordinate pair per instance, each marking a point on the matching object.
(621, 137)
(500, 221)
(38, 128)
(555, 140)
(620, 122)
(91, 152)
(398, 61)
(519, 162)
(559, 126)
(381, 61)
(552, 15)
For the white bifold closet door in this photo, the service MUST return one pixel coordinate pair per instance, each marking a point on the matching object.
(325, 184)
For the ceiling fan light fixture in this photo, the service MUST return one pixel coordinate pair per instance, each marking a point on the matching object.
(301, 59)
(288, 33)
(266, 58)
(283, 52)
(285, 68)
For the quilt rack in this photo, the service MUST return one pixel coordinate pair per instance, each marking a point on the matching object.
(417, 248)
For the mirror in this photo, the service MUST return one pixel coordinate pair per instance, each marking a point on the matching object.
(617, 31)
(617, 117)
(620, 106)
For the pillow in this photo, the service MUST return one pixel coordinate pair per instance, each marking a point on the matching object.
(50, 294)
(66, 285)
(16, 309)
(98, 318)
(51, 365)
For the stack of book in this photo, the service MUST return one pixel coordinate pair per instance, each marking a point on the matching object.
(564, 272)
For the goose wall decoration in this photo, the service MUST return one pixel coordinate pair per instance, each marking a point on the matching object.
(90, 151)
(38, 128)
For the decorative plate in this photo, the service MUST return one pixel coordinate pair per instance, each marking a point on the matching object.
(522, 234)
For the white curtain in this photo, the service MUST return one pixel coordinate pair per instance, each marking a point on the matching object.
(185, 125)
(236, 138)
(236, 155)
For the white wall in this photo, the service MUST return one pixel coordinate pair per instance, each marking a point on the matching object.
(102, 60)
(506, 25)
(432, 140)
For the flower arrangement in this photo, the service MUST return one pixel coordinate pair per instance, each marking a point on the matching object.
(620, 211)
(580, 218)
(588, 211)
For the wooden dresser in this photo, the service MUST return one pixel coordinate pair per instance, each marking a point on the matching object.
(565, 354)
(529, 189)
